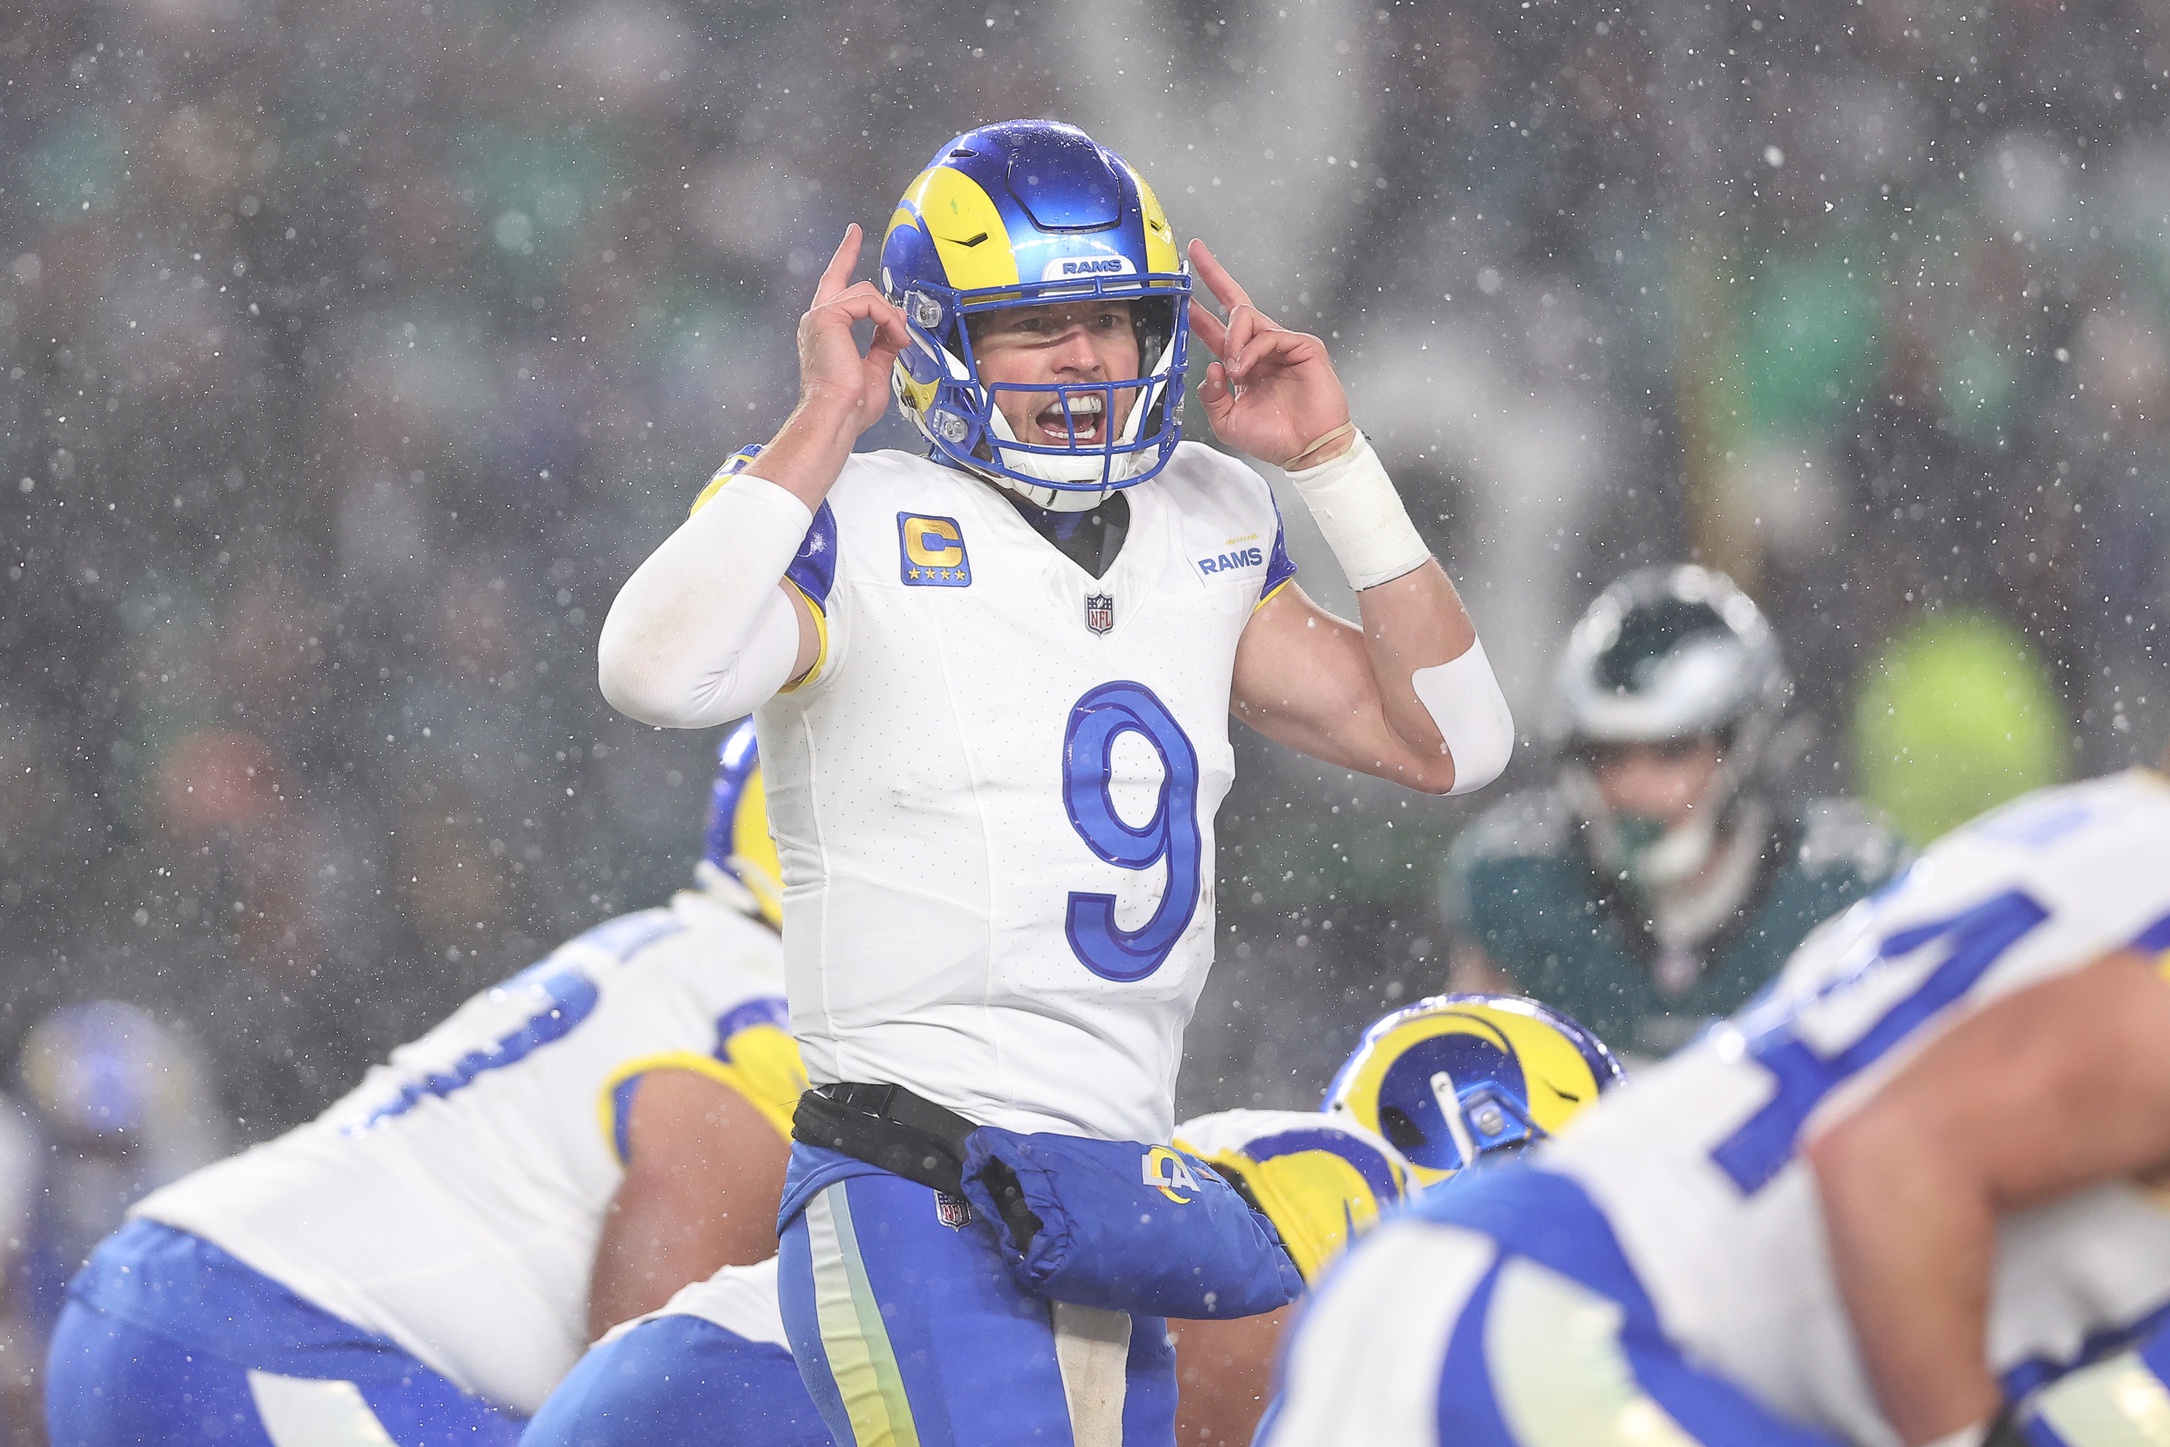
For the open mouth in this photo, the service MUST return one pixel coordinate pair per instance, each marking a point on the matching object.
(1086, 424)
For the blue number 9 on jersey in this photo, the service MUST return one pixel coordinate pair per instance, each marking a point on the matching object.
(1088, 757)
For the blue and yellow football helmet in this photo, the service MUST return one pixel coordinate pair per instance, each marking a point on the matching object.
(104, 1069)
(1322, 1180)
(740, 848)
(1036, 213)
(1453, 1078)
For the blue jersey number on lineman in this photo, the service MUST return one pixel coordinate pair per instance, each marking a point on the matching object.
(1977, 939)
(568, 997)
(1088, 765)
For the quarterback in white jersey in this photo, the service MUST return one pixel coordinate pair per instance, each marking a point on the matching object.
(1915, 1196)
(437, 1249)
(993, 684)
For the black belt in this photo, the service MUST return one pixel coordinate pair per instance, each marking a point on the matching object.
(887, 1126)
(909, 1136)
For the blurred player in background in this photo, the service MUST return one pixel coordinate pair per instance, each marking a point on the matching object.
(715, 1366)
(22, 1339)
(113, 1105)
(121, 1105)
(424, 1261)
(1916, 1196)
(993, 687)
(1662, 878)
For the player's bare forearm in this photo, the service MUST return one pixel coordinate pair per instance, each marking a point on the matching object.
(1412, 622)
(809, 451)
(702, 1185)
(2049, 1091)
(1912, 1241)
(1224, 1373)
(1341, 692)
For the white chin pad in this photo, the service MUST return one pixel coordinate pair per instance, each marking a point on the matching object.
(1472, 716)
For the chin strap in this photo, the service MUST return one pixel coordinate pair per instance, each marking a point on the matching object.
(1680, 852)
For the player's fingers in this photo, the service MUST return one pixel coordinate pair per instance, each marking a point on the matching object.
(1272, 347)
(837, 276)
(1223, 286)
(1248, 327)
(1242, 326)
(860, 303)
(1213, 390)
(1209, 329)
(891, 335)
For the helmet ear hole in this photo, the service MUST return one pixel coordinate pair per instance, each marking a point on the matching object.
(1153, 322)
(1400, 1131)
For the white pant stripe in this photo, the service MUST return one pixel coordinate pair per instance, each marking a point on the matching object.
(308, 1412)
(2116, 1402)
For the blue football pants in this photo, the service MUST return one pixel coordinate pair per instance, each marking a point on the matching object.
(168, 1341)
(680, 1379)
(911, 1331)
(110, 1383)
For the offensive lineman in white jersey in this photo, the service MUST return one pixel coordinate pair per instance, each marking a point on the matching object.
(1007, 922)
(1914, 1197)
(423, 1262)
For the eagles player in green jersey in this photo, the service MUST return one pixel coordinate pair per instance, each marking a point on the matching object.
(1661, 879)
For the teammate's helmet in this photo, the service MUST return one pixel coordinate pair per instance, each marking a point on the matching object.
(740, 848)
(1320, 1179)
(1036, 213)
(1455, 1077)
(104, 1069)
(1671, 653)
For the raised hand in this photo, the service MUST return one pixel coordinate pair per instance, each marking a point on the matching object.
(833, 373)
(1273, 392)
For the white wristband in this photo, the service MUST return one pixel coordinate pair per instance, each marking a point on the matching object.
(1464, 700)
(1964, 1437)
(1361, 514)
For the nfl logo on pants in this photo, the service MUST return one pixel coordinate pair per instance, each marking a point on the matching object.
(1099, 612)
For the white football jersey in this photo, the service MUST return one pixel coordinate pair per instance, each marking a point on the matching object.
(740, 1299)
(1693, 1161)
(994, 796)
(453, 1201)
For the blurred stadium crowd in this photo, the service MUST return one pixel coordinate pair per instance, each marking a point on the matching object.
(355, 352)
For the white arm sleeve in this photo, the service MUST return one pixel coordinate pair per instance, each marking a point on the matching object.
(702, 633)
(1464, 700)
(1362, 517)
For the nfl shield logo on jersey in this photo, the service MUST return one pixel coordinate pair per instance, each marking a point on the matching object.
(1099, 611)
(954, 1212)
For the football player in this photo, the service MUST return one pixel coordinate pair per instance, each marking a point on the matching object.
(427, 1258)
(1458, 1077)
(714, 1365)
(1915, 1196)
(1431, 1090)
(1007, 923)
(1661, 880)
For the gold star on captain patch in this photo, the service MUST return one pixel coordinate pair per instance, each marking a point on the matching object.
(913, 571)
